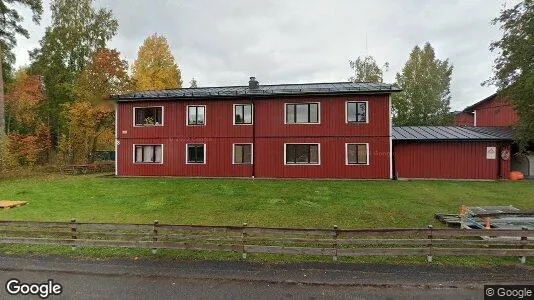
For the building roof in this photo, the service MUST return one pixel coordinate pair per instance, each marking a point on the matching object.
(333, 88)
(452, 133)
(472, 108)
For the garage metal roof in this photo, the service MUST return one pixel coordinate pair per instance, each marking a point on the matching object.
(451, 133)
(263, 91)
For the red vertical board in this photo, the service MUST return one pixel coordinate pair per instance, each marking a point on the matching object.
(450, 160)
(269, 133)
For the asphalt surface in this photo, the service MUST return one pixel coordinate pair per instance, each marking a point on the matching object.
(159, 279)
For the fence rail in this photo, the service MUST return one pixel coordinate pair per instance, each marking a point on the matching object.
(334, 242)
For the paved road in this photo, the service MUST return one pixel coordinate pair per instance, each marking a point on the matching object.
(153, 279)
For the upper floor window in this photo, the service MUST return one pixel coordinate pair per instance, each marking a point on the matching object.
(357, 112)
(148, 116)
(302, 113)
(148, 154)
(196, 115)
(302, 154)
(357, 154)
(196, 153)
(242, 114)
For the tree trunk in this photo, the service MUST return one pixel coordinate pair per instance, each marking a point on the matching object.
(2, 114)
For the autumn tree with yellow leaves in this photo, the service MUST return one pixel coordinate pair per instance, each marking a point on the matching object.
(155, 67)
(90, 120)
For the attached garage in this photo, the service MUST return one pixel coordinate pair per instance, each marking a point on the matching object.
(451, 152)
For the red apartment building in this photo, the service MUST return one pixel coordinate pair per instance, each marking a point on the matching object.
(318, 130)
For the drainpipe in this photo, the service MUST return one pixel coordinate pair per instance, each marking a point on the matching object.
(253, 138)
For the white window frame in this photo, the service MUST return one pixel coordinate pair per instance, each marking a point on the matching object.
(187, 115)
(162, 115)
(233, 115)
(308, 123)
(187, 154)
(251, 153)
(301, 164)
(347, 154)
(366, 111)
(149, 163)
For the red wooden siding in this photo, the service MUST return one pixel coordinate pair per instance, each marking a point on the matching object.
(451, 160)
(464, 119)
(270, 134)
(497, 112)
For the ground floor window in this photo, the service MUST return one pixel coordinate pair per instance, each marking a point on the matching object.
(148, 153)
(357, 154)
(302, 154)
(196, 153)
(242, 154)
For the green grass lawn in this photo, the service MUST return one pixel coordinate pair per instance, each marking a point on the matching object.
(284, 203)
(279, 203)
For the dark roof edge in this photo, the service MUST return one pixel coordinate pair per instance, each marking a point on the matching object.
(120, 98)
(471, 108)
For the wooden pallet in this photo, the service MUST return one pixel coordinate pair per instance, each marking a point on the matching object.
(10, 204)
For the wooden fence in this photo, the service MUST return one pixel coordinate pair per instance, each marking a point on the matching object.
(334, 242)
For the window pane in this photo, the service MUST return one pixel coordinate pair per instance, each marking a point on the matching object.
(351, 112)
(238, 154)
(239, 114)
(314, 113)
(290, 113)
(159, 114)
(192, 115)
(138, 154)
(362, 112)
(200, 115)
(302, 153)
(159, 154)
(362, 154)
(139, 116)
(148, 153)
(290, 154)
(247, 154)
(248, 114)
(314, 154)
(302, 113)
(351, 154)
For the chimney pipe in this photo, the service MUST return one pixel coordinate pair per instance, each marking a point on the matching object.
(253, 84)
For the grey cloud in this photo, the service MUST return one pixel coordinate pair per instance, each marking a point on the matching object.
(224, 42)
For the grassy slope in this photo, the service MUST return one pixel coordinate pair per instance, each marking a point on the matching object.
(299, 203)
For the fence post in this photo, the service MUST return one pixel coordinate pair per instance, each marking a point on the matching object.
(244, 240)
(429, 256)
(155, 236)
(74, 233)
(523, 259)
(335, 245)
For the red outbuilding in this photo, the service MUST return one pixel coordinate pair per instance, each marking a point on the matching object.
(494, 110)
(462, 118)
(318, 130)
(452, 152)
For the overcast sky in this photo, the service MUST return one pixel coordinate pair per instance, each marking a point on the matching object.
(297, 41)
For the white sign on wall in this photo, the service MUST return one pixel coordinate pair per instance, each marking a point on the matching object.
(491, 152)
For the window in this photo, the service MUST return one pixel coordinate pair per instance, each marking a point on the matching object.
(148, 154)
(196, 115)
(302, 113)
(196, 153)
(357, 154)
(242, 153)
(302, 154)
(148, 116)
(357, 112)
(242, 114)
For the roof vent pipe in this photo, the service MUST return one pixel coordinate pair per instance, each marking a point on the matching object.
(253, 84)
